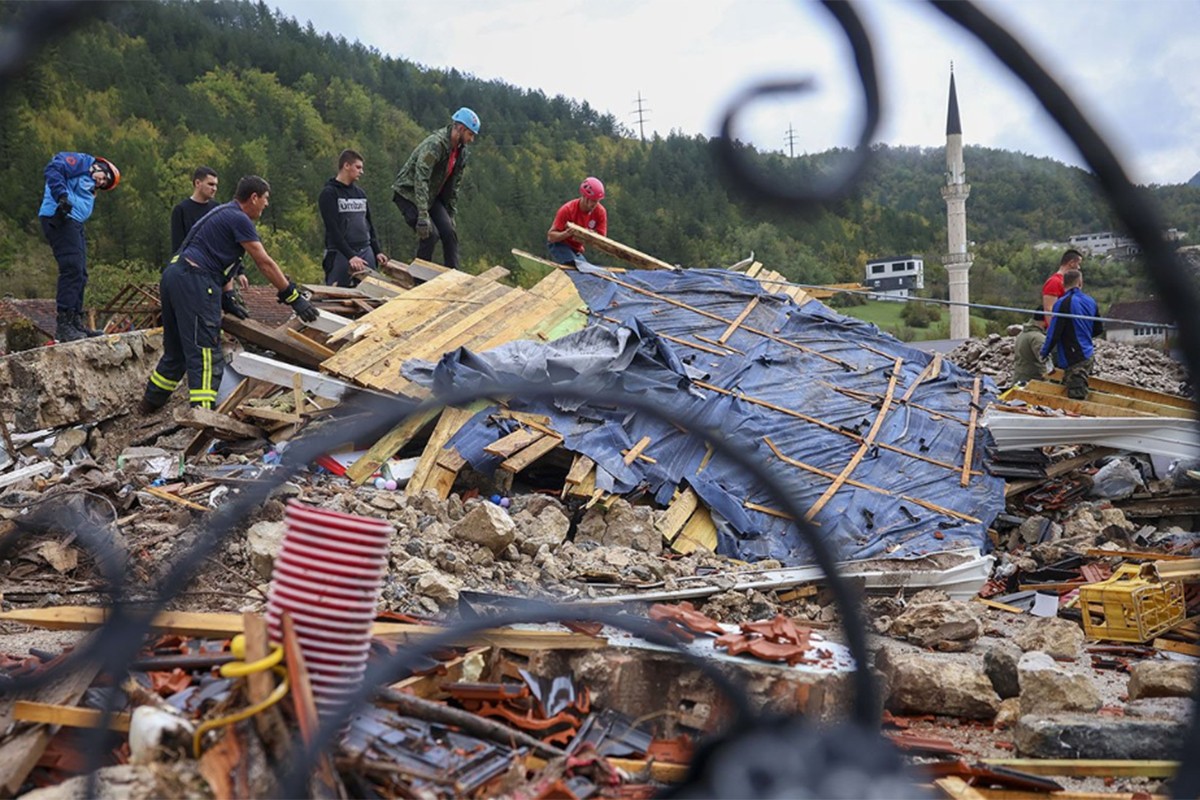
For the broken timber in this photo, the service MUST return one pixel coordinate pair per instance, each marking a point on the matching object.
(615, 249)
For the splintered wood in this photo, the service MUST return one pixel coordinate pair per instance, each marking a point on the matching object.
(451, 310)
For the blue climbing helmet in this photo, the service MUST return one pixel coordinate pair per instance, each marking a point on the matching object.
(468, 118)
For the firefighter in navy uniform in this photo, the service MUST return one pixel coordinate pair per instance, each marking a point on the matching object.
(190, 292)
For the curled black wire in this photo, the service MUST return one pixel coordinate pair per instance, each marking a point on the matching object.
(735, 168)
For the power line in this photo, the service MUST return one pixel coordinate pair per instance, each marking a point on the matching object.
(791, 141)
(641, 116)
(910, 299)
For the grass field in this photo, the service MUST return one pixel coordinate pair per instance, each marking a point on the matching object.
(886, 315)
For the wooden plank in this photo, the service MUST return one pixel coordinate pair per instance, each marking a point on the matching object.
(969, 455)
(215, 625)
(496, 273)
(70, 716)
(863, 448)
(999, 606)
(737, 322)
(580, 468)
(430, 686)
(391, 443)
(1087, 767)
(20, 751)
(409, 310)
(172, 498)
(959, 789)
(328, 322)
(827, 426)
(1136, 392)
(632, 454)
(678, 513)
(615, 248)
(451, 420)
(530, 454)
(222, 426)
(1082, 407)
(519, 439)
(699, 531)
(260, 335)
(378, 288)
(1116, 401)
(201, 439)
(269, 414)
(1173, 646)
(660, 771)
(1058, 468)
(426, 270)
(304, 341)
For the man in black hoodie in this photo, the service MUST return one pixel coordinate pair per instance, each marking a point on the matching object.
(350, 242)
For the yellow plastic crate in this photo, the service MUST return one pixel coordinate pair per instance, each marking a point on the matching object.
(1129, 606)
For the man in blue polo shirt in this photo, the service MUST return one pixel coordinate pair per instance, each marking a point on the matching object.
(1070, 338)
(190, 292)
(72, 180)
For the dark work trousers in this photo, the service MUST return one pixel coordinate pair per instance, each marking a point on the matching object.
(443, 229)
(191, 318)
(66, 239)
(337, 266)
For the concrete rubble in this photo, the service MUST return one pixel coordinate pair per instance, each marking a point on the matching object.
(980, 657)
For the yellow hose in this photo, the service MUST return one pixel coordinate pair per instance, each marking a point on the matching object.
(240, 669)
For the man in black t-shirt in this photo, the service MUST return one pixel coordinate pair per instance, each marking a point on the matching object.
(190, 209)
(190, 293)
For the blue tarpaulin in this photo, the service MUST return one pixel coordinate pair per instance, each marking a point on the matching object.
(815, 396)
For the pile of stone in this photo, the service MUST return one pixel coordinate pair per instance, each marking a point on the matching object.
(1144, 367)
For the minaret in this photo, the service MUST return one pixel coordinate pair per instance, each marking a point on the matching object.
(955, 192)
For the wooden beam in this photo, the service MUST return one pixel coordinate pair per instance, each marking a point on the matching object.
(448, 424)
(379, 288)
(660, 771)
(1116, 401)
(1087, 767)
(1084, 408)
(530, 454)
(616, 249)
(222, 426)
(632, 454)
(385, 448)
(70, 716)
(211, 625)
(308, 343)
(173, 498)
(496, 273)
(863, 448)
(519, 439)
(969, 455)
(678, 512)
(737, 322)
(1173, 646)
(1135, 392)
(233, 400)
(260, 335)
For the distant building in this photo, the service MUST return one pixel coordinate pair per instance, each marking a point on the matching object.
(1149, 323)
(1108, 243)
(897, 276)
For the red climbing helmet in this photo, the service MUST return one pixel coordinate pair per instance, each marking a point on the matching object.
(592, 189)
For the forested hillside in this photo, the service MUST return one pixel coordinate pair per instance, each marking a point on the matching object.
(162, 87)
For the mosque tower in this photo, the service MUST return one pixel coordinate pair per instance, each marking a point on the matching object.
(955, 192)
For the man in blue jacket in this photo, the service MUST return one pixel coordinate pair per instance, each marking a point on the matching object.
(1070, 338)
(72, 180)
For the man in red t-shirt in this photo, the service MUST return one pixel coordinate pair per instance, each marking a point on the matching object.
(1053, 289)
(586, 212)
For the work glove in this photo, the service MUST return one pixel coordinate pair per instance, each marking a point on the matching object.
(231, 303)
(424, 228)
(64, 207)
(305, 310)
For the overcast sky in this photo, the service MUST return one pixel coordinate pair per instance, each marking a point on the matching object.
(1134, 65)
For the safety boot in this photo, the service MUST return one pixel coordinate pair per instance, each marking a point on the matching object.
(84, 329)
(65, 329)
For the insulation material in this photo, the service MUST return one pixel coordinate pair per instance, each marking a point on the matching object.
(812, 395)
